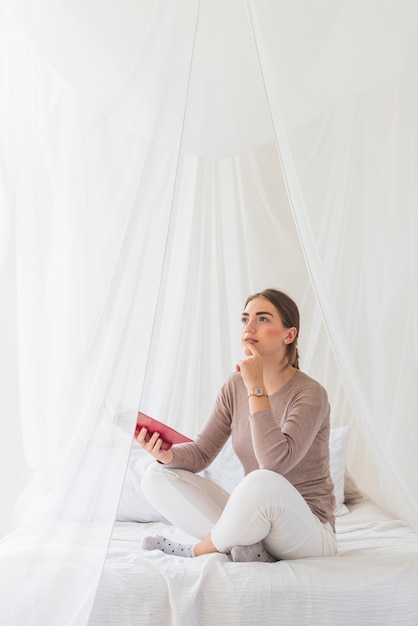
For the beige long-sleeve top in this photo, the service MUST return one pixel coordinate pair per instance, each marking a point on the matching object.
(291, 438)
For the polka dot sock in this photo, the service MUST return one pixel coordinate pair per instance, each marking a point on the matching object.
(168, 546)
(256, 552)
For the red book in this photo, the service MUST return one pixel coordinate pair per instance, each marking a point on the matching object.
(167, 434)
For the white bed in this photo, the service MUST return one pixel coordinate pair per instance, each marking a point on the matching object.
(374, 579)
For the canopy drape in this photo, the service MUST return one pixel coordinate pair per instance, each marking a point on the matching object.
(158, 163)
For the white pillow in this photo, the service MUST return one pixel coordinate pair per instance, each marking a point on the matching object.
(226, 471)
(338, 442)
(133, 506)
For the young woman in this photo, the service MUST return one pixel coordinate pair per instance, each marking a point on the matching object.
(279, 421)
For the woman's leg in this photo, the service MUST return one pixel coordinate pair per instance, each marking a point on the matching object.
(263, 507)
(186, 500)
(266, 507)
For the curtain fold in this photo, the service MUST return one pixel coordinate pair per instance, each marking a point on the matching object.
(158, 163)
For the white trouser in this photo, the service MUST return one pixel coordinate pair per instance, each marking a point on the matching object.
(263, 507)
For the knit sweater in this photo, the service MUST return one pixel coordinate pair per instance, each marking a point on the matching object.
(291, 438)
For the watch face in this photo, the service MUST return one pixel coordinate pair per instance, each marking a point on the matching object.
(258, 391)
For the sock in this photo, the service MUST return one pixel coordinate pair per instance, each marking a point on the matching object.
(256, 552)
(168, 546)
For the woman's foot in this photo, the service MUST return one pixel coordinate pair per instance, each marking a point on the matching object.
(246, 554)
(168, 546)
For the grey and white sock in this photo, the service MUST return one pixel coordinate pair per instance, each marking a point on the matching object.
(246, 554)
(168, 546)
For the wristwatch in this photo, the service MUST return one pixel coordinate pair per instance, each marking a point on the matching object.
(258, 391)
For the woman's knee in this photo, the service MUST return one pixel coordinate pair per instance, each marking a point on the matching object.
(262, 479)
(266, 488)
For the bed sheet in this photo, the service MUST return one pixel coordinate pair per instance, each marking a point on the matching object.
(374, 579)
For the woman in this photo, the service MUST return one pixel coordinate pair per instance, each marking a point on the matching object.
(279, 421)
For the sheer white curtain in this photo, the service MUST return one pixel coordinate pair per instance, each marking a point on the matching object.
(347, 131)
(141, 162)
(88, 197)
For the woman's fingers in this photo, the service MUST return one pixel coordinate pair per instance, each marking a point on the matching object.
(251, 368)
(150, 442)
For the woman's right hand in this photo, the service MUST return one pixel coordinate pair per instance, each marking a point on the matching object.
(251, 368)
(153, 446)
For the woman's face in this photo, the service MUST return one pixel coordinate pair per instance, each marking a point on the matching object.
(263, 328)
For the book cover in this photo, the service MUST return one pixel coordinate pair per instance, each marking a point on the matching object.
(167, 434)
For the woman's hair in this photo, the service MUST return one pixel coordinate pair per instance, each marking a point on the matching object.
(289, 314)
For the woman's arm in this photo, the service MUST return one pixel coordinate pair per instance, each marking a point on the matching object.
(194, 456)
(280, 443)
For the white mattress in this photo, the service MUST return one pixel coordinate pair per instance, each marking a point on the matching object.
(374, 579)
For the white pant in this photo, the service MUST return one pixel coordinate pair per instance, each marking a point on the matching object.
(263, 507)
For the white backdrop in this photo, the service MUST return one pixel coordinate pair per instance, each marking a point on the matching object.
(159, 162)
